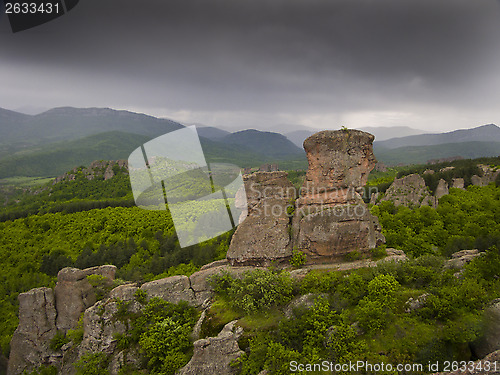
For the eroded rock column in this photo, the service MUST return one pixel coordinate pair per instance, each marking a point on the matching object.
(264, 236)
(331, 218)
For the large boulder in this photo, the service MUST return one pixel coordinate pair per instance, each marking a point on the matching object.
(213, 355)
(263, 237)
(442, 189)
(37, 326)
(74, 294)
(172, 289)
(332, 233)
(409, 191)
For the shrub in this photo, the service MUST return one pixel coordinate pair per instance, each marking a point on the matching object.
(43, 370)
(92, 364)
(165, 343)
(258, 290)
(298, 258)
(58, 341)
(141, 296)
(352, 256)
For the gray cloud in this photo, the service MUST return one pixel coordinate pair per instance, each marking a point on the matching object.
(292, 58)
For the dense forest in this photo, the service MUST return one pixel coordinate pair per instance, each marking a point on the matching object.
(84, 223)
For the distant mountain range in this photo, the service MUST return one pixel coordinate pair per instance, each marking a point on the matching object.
(485, 133)
(55, 141)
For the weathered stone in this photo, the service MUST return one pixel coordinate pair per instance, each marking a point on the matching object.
(263, 237)
(409, 191)
(332, 233)
(338, 159)
(73, 293)
(489, 175)
(461, 258)
(416, 303)
(331, 218)
(37, 326)
(442, 189)
(108, 173)
(476, 180)
(124, 292)
(212, 356)
(458, 183)
(394, 255)
(172, 289)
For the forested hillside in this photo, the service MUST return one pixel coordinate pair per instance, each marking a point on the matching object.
(83, 223)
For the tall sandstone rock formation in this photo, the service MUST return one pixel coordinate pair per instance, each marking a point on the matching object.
(263, 237)
(331, 218)
(328, 220)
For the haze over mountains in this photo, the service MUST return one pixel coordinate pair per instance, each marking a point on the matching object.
(50, 143)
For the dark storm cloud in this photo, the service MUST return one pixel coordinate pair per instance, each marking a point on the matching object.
(273, 55)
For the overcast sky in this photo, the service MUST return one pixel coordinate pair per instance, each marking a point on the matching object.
(428, 64)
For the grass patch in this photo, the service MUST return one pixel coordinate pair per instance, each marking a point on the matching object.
(21, 181)
(262, 321)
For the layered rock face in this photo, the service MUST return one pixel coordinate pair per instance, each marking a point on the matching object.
(331, 218)
(339, 159)
(263, 237)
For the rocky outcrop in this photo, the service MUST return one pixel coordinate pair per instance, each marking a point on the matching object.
(172, 289)
(96, 168)
(461, 258)
(442, 189)
(37, 326)
(416, 303)
(331, 218)
(263, 237)
(43, 312)
(458, 183)
(409, 191)
(489, 175)
(213, 355)
(74, 294)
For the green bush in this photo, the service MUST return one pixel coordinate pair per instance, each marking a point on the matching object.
(141, 296)
(165, 343)
(352, 256)
(92, 364)
(257, 291)
(43, 370)
(298, 258)
(58, 341)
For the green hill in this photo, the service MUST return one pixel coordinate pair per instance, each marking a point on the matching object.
(20, 132)
(57, 158)
(265, 143)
